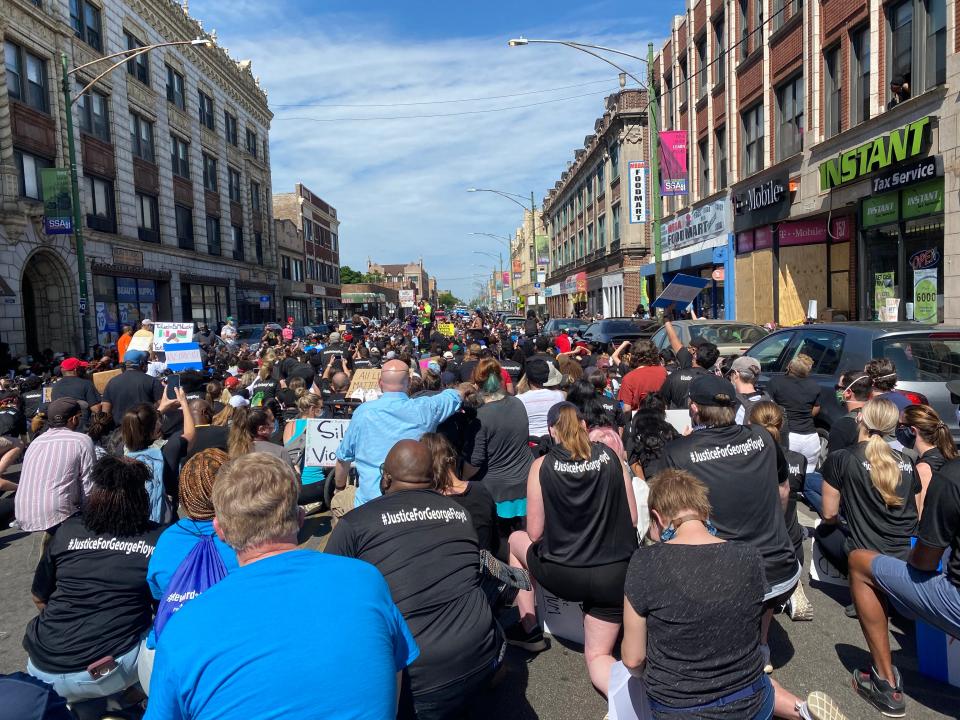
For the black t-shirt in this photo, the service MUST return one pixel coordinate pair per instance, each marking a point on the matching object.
(796, 396)
(209, 436)
(286, 365)
(684, 358)
(128, 389)
(425, 547)
(796, 473)
(478, 501)
(940, 524)
(676, 388)
(12, 421)
(266, 388)
(98, 601)
(32, 400)
(337, 350)
(513, 369)
(76, 388)
(703, 605)
(497, 446)
(873, 524)
(844, 433)
(934, 458)
(362, 364)
(739, 465)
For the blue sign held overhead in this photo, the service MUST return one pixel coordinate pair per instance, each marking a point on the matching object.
(183, 356)
(681, 291)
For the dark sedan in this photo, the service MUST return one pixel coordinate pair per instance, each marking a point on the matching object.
(609, 333)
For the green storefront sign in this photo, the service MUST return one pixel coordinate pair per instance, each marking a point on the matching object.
(925, 199)
(57, 201)
(901, 144)
(880, 210)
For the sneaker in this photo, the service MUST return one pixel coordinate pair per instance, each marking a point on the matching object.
(820, 706)
(850, 611)
(765, 654)
(879, 693)
(798, 606)
(530, 641)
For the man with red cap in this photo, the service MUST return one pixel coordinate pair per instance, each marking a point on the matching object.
(74, 385)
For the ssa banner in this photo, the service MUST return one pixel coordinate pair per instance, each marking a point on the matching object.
(673, 162)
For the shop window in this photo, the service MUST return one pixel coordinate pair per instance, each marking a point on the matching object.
(86, 23)
(214, 244)
(148, 218)
(26, 77)
(831, 88)
(99, 204)
(236, 237)
(209, 173)
(175, 92)
(790, 107)
(138, 66)
(122, 301)
(141, 138)
(860, 75)
(29, 167)
(719, 50)
(721, 149)
(180, 157)
(205, 104)
(752, 139)
(703, 165)
(184, 216)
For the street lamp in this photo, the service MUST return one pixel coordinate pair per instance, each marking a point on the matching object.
(69, 100)
(512, 197)
(495, 257)
(652, 118)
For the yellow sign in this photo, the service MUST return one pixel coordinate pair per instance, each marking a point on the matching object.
(446, 329)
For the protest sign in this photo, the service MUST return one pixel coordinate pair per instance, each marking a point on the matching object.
(100, 379)
(821, 570)
(183, 356)
(172, 333)
(446, 329)
(365, 379)
(680, 292)
(323, 439)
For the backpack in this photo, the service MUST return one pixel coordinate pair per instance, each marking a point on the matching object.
(201, 569)
(152, 457)
(748, 401)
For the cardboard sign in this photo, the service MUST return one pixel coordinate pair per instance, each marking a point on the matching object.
(183, 356)
(365, 380)
(680, 419)
(323, 439)
(627, 697)
(561, 618)
(100, 379)
(171, 333)
(681, 291)
(446, 329)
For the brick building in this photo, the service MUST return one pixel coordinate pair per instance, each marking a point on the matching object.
(294, 300)
(595, 216)
(317, 222)
(411, 276)
(173, 163)
(823, 183)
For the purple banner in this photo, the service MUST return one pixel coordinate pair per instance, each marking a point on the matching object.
(673, 162)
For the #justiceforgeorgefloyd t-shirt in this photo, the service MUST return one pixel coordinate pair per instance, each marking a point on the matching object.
(425, 547)
(98, 600)
(739, 466)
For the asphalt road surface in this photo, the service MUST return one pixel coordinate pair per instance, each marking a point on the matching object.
(818, 655)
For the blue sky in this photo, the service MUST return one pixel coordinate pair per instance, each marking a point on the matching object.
(350, 82)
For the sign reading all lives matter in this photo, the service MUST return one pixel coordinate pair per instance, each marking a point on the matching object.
(323, 439)
(681, 291)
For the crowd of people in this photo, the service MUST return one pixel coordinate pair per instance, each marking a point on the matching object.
(483, 468)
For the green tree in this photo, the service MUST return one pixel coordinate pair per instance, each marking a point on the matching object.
(372, 278)
(448, 299)
(349, 276)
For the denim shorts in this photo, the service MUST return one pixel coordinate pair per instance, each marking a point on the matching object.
(81, 686)
(927, 596)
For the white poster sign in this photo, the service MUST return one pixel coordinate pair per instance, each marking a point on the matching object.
(822, 571)
(702, 223)
(637, 174)
(323, 439)
(408, 298)
(171, 332)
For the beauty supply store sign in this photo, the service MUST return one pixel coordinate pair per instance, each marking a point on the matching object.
(697, 225)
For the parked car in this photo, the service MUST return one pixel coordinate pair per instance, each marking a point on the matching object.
(730, 337)
(613, 331)
(514, 321)
(926, 358)
(574, 325)
(251, 334)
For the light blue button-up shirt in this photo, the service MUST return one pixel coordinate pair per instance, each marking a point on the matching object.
(378, 425)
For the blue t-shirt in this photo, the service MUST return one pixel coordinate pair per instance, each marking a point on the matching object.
(242, 650)
(175, 544)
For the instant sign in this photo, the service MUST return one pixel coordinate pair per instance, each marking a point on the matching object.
(323, 439)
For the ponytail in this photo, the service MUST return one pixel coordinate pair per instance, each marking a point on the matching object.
(572, 434)
(768, 415)
(931, 428)
(880, 418)
(239, 441)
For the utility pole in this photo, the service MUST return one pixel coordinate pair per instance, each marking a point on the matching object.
(653, 113)
(536, 254)
(77, 215)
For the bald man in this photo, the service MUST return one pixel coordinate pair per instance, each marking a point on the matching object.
(377, 425)
(424, 545)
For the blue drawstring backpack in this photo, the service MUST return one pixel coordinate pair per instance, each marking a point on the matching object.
(201, 569)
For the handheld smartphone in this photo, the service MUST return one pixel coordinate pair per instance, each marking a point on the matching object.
(102, 667)
(173, 382)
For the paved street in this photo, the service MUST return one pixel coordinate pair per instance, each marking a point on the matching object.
(809, 656)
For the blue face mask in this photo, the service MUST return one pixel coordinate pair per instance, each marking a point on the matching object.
(670, 532)
(276, 426)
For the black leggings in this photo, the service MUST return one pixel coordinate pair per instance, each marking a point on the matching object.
(598, 589)
(832, 541)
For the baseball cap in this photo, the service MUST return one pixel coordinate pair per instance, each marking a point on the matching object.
(709, 390)
(61, 410)
(433, 368)
(146, 321)
(134, 357)
(745, 364)
(334, 337)
(72, 363)
(448, 355)
(231, 382)
(554, 376)
(238, 401)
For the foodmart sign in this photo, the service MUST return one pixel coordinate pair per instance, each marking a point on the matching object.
(902, 144)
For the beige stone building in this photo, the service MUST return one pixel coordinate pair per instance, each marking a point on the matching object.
(596, 215)
(173, 163)
(318, 224)
(523, 265)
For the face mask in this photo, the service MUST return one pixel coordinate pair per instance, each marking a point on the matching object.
(276, 426)
(840, 398)
(670, 532)
(907, 436)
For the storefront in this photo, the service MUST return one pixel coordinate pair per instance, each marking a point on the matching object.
(612, 294)
(553, 296)
(295, 308)
(255, 304)
(120, 301)
(697, 242)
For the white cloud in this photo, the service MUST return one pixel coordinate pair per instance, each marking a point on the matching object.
(399, 186)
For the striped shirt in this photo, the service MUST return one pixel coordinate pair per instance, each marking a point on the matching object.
(54, 479)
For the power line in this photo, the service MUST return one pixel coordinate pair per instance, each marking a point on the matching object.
(445, 102)
(442, 115)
